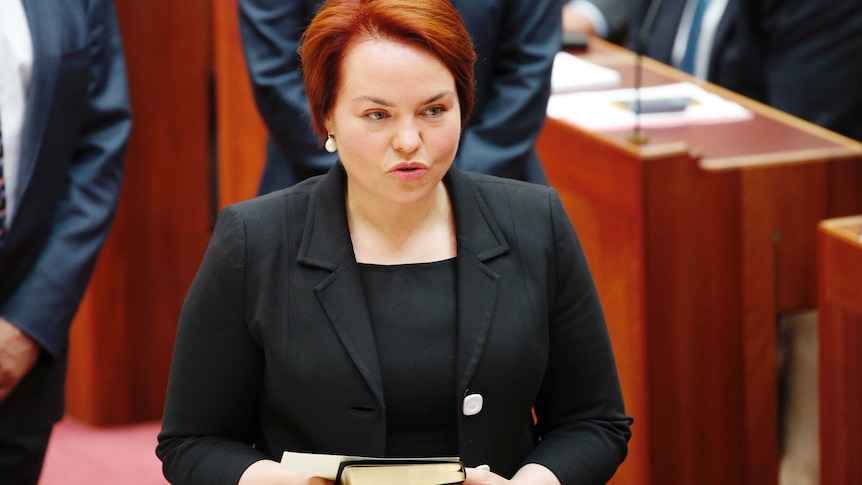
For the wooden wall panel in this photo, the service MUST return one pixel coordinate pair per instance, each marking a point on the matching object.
(839, 285)
(600, 186)
(122, 339)
(240, 132)
(693, 327)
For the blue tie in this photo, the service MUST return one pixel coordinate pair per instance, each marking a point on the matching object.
(687, 63)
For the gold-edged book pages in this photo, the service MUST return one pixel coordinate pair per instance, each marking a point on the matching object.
(395, 473)
(418, 469)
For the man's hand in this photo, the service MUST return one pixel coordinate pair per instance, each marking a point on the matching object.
(18, 354)
(575, 21)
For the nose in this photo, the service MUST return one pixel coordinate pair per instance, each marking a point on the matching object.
(407, 137)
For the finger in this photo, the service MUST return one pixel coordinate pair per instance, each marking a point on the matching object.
(320, 481)
(481, 476)
(18, 354)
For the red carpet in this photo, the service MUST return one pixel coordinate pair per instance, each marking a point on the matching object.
(79, 454)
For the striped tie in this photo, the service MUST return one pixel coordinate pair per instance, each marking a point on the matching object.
(687, 63)
(2, 189)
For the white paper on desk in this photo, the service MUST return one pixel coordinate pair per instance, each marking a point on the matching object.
(571, 74)
(595, 110)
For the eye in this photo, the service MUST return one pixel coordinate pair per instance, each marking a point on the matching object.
(435, 111)
(376, 115)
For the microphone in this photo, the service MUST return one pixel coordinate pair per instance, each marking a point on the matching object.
(638, 137)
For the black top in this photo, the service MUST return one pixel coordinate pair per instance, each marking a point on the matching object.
(414, 327)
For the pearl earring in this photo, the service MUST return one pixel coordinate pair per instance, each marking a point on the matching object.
(330, 144)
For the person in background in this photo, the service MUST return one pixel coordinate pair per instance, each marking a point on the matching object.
(515, 42)
(608, 19)
(798, 56)
(396, 306)
(64, 123)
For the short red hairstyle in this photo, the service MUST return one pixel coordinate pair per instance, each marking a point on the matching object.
(432, 25)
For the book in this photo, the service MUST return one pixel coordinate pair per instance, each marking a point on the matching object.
(402, 473)
(358, 470)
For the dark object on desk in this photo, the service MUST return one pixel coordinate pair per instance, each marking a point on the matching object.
(574, 41)
(663, 105)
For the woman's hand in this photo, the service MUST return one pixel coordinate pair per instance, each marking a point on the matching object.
(266, 472)
(483, 476)
(529, 474)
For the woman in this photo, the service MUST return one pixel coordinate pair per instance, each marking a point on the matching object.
(395, 306)
(515, 44)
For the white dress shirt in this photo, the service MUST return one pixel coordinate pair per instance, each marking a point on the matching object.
(16, 64)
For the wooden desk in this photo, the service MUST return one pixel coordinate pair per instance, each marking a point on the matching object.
(839, 285)
(697, 240)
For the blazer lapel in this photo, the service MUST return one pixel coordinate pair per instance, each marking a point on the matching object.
(326, 244)
(479, 240)
(45, 30)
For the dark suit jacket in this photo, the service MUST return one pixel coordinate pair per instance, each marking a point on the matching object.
(275, 345)
(734, 62)
(800, 56)
(810, 50)
(75, 131)
(515, 43)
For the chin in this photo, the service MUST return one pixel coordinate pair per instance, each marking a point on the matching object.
(413, 196)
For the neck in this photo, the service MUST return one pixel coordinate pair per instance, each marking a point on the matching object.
(387, 233)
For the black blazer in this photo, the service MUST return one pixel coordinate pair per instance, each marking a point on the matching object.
(76, 126)
(275, 348)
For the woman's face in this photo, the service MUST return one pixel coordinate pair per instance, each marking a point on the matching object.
(396, 121)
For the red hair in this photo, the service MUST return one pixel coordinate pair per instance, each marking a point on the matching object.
(432, 25)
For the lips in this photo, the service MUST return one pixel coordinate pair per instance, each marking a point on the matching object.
(410, 166)
(409, 170)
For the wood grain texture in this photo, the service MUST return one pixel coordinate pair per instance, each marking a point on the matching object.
(240, 132)
(600, 184)
(839, 284)
(122, 337)
(697, 241)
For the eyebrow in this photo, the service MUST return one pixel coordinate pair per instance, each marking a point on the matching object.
(383, 102)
